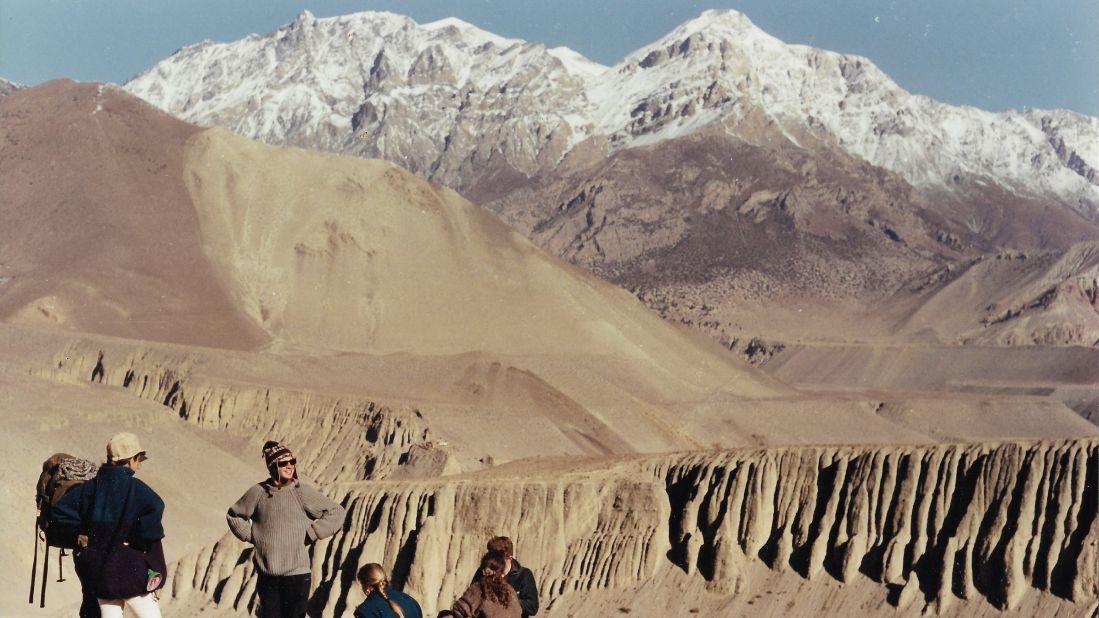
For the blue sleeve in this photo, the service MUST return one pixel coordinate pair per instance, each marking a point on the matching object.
(148, 526)
(412, 608)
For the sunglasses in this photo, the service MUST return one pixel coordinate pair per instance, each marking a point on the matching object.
(286, 462)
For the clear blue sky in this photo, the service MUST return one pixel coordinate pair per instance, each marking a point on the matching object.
(993, 54)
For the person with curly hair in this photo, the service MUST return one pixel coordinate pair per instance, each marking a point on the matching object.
(490, 596)
(519, 576)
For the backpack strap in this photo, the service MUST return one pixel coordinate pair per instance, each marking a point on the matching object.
(84, 506)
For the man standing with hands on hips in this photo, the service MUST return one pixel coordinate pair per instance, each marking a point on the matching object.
(281, 517)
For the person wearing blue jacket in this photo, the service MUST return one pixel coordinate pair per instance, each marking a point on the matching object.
(382, 600)
(121, 517)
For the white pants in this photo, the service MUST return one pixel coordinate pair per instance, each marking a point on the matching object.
(144, 606)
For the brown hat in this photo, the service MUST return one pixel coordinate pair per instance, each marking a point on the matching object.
(273, 451)
(123, 446)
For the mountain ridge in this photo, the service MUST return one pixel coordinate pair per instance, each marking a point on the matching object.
(927, 142)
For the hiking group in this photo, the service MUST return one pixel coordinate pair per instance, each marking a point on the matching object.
(112, 522)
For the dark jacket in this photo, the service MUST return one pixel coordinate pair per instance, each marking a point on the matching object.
(122, 517)
(522, 581)
(376, 607)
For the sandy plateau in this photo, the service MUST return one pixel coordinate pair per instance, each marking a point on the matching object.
(446, 380)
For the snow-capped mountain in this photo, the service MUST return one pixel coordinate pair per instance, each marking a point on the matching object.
(7, 87)
(816, 96)
(422, 92)
(444, 98)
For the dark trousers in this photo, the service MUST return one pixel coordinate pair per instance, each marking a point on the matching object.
(89, 604)
(283, 596)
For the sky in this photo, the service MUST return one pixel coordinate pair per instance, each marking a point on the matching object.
(991, 54)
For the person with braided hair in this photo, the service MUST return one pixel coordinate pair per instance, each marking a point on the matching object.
(383, 601)
(490, 596)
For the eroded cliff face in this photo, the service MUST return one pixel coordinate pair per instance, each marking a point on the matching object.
(953, 527)
(337, 437)
(936, 526)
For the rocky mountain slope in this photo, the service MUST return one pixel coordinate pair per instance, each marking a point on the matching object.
(726, 178)
(1012, 298)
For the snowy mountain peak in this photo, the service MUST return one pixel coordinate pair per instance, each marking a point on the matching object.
(442, 96)
(7, 87)
(724, 20)
(576, 64)
(719, 47)
(473, 34)
(727, 25)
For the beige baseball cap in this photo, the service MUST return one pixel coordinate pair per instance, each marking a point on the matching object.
(124, 446)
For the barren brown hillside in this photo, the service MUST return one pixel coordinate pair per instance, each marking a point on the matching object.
(767, 241)
(99, 233)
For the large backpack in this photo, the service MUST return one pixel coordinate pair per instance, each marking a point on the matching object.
(60, 474)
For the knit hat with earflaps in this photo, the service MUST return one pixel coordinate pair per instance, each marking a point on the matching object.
(274, 451)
